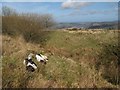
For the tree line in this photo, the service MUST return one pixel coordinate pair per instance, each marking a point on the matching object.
(11, 19)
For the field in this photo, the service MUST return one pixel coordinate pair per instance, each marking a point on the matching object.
(77, 59)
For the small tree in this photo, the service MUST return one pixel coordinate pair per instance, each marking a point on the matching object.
(6, 11)
(48, 20)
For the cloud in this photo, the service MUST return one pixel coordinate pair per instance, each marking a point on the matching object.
(75, 5)
(92, 12)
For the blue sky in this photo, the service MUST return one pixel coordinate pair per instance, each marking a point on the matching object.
(70, 11)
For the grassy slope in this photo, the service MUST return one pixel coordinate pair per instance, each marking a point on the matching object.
(74, 60)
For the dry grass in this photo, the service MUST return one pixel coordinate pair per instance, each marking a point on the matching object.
(73, 58)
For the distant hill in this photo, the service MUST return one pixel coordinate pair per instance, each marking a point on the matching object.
(89, 25)
(104, 25)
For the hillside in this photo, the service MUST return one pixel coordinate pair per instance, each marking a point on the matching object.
(90, 25)
(83, 59)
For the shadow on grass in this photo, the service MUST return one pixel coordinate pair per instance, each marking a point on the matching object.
(39, 38)
(109, 63)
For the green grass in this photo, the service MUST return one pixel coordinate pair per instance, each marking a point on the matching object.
(62, 70)
(75, 60)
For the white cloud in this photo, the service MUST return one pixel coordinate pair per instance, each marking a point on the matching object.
(76, 5)
(92, 12)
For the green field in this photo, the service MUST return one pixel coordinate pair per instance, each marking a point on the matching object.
(76, 60)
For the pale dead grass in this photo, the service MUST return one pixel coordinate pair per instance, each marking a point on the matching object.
(90, 31)
(18, 46)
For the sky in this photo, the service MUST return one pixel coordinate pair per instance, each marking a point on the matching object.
(69, 11)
